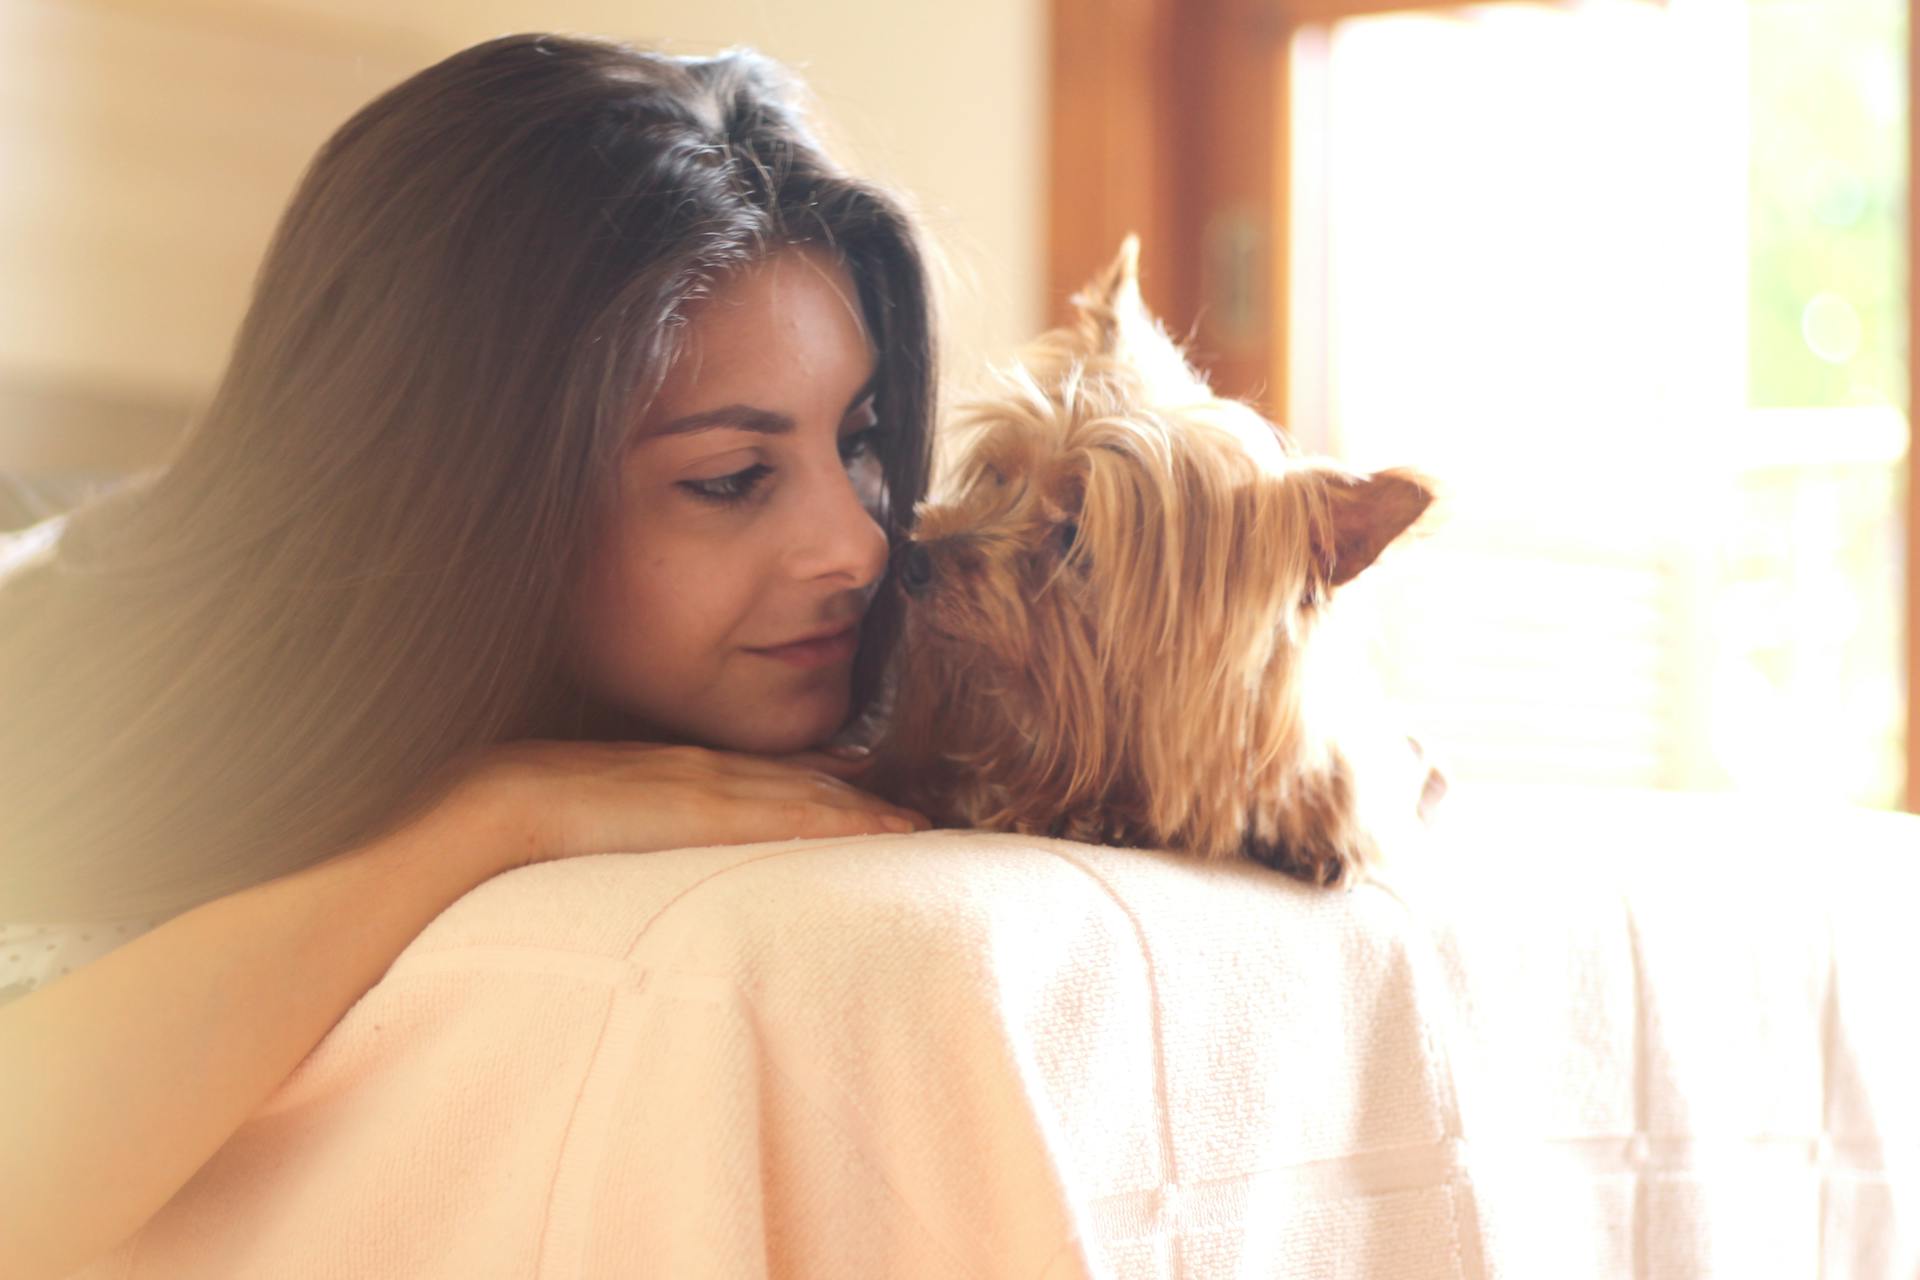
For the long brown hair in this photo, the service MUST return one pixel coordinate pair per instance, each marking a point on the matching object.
(357, 568)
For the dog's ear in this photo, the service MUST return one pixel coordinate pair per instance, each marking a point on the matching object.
(1111, 298)
(1114, 322)
(1364, 514)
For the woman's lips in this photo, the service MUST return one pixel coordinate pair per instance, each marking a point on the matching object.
(837, 647)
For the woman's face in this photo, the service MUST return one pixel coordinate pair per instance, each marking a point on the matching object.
(745, 529)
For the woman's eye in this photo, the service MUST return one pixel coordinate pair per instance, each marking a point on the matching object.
(727, 490)
(730, 490)
(860, 444)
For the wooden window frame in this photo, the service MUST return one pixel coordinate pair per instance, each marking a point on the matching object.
(1173, 119)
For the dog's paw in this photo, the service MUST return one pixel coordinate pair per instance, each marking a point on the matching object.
(1320, 865)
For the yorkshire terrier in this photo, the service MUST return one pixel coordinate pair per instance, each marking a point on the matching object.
(1112, 601)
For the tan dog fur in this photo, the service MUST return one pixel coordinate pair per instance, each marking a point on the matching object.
(1123, 579)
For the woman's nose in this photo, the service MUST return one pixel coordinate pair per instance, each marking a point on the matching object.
(843, 538)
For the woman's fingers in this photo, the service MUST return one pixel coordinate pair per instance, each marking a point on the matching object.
(579, 798)
(844, 767)
(846, 774)
(808, 778)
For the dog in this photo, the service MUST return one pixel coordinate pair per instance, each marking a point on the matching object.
(1111, 603)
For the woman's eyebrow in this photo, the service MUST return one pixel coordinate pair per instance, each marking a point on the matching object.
(748, 418)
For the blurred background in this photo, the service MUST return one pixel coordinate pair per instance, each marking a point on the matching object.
(1630, 277)
(148, 147)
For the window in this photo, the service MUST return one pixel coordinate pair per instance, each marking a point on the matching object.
(1630, 278)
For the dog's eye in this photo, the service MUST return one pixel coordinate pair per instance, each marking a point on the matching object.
(1066, 533)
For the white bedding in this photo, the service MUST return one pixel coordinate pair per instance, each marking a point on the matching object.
(1583, 1033)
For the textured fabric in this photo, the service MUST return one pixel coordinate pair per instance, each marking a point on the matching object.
(32, 955)
(21, 549)
(1582, 1034)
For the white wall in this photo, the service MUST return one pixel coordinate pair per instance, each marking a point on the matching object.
(146, 149)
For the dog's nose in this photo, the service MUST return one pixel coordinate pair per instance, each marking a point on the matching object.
(916, 569)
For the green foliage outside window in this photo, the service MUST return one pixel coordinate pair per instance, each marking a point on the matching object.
(1828, 164)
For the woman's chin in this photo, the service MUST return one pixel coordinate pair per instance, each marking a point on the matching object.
(769, 727)
(804, 728)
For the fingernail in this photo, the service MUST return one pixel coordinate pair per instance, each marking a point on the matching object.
(849, 751)
(900, 825)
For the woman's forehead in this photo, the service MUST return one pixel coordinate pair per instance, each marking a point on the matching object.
(785, 335)
(792, 291)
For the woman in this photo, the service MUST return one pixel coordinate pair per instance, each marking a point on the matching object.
(541, 511)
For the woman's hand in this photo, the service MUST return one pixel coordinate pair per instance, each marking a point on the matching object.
(566, 799)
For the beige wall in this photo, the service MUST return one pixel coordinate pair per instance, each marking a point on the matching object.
(147, 149)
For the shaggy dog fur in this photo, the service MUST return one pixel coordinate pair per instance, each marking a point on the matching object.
(1113, 597)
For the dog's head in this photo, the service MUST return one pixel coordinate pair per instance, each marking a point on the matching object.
(1115, 582)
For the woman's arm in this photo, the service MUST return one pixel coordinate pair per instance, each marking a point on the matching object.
(120, 1080)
